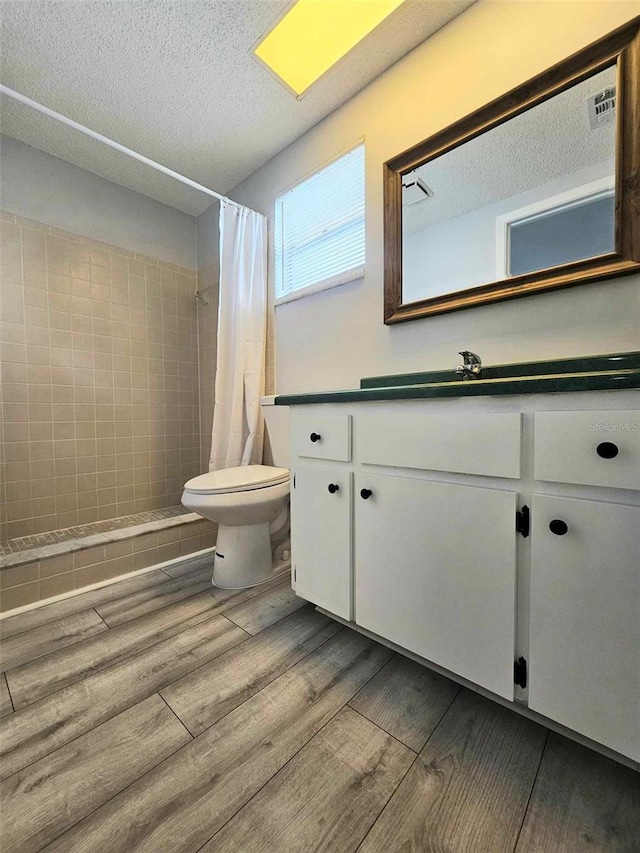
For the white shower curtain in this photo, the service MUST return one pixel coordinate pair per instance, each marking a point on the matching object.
(238, 428)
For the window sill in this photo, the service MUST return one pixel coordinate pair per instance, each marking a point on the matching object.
(327, 284)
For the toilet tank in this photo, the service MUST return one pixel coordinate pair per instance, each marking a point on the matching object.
(276, 446)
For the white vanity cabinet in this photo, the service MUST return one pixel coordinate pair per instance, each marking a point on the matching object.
(436, 573)
(321, 504)
(425, 543)
(321, 537)
(584, 655)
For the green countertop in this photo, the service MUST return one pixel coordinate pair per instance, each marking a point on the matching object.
(609, 372)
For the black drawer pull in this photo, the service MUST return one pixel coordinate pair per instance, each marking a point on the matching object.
(365, 494)
(333, 488)
(607, 450)
(315, 437)
(558, 527)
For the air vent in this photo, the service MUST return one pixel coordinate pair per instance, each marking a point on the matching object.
(413, 190)
(602, 107)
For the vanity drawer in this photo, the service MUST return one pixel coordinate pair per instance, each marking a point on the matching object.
(322, 436)
(588, 448)
(478, 443)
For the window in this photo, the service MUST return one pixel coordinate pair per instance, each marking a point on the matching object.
(319, 229)
(571, 226)
(563, 234)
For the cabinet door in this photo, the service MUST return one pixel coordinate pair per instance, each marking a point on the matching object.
(436, 573)
(321, 537)
(584, 656)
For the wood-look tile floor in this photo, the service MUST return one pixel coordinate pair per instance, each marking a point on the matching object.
(159, 714)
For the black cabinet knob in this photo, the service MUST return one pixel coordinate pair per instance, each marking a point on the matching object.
(333, 488)
(365, 494)
(315, 437)
(607, 450)
(558, 527)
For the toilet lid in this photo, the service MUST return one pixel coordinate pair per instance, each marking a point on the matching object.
(242, 479)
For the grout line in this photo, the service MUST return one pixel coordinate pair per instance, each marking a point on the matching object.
(248, 636)
(314, 735)
(444, 714)
(244, 629)
(151, 645)
(4, 675)
(155, 767)
(76, 612)
(211, 660)
(533, 787)
(417, 758)
(193, 589)
(157, 693)
(378, 726)
(233, 648)
(388, 663)
(273, 680)
(99, 616)
(84, 817)
(440, 718)
(105, 633)
(194, 738)
(384, 807)
(71, 740)
(10, 666)
(242, 603)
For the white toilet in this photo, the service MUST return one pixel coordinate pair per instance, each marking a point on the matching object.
(250, 504)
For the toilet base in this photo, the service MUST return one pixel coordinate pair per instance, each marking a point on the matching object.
(243, 557)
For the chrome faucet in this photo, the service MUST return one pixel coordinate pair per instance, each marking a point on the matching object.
(472, 367)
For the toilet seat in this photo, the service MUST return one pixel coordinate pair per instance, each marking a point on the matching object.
(246, 478)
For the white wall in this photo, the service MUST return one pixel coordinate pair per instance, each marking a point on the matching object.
(461, 252)
(208, 237)
(332, 339)
(49, 190)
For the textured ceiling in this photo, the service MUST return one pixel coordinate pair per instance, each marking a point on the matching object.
(176, 82)
(551, 140)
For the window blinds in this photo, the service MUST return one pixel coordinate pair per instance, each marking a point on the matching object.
(319, 228)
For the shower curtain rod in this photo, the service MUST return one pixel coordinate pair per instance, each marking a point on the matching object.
(23, 99)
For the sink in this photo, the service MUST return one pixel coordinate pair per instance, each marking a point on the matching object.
(590, 373)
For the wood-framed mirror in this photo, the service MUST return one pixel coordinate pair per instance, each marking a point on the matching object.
(540, 189)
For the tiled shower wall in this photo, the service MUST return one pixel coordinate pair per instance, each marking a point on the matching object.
(100, 406)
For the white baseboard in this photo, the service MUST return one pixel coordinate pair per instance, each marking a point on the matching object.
(73, 592)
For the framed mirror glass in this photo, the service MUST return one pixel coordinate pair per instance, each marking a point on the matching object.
(537, 190)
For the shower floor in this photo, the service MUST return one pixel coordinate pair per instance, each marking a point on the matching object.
(41, 540)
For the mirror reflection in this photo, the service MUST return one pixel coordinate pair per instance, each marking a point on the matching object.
(533, 193)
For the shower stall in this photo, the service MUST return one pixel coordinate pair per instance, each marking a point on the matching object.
(108, 358)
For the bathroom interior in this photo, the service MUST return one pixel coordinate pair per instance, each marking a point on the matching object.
(319, 434)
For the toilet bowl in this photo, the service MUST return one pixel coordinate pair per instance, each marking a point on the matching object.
(250, 504)
(244, 502)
